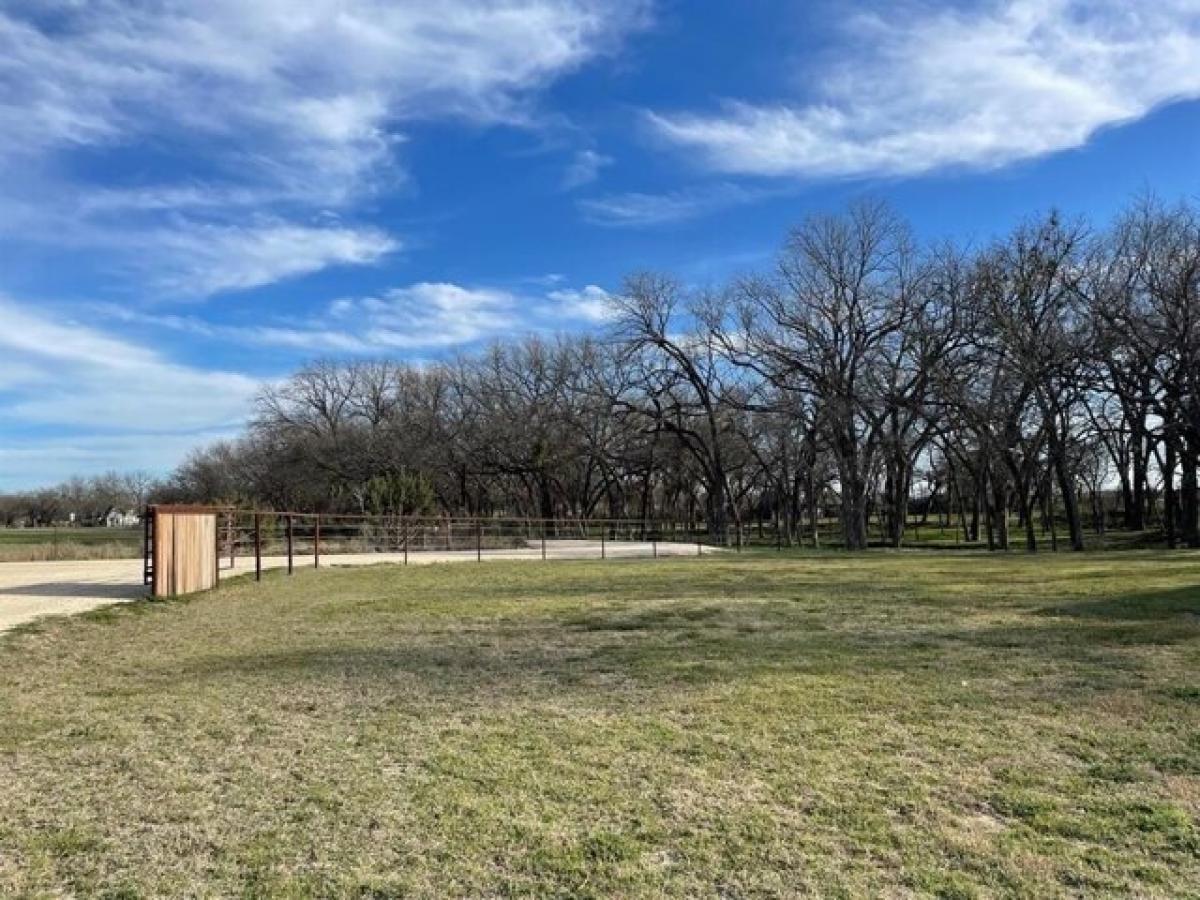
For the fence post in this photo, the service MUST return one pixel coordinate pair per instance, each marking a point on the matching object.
(231, 529)
(478, 540)
(406, 529)
(148, 548)
(317, 543)
(257, 547)
(543, 539)
(603, 555)
(289, 540)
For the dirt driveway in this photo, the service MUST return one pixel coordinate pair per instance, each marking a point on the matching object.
(33, 589)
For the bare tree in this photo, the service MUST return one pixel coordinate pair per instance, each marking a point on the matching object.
(678, 384)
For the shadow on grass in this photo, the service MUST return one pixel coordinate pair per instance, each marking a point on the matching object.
(1182, 604)
(590, 651)
(68, 589)
(1099, 632)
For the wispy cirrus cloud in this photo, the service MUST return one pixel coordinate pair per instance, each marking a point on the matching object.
(641, 210)
(310, 94)
(270, 109)
(200, 259)
(591, 303)
(432, 315)
(584, 168)
(67, 374)
(426, 316)
(75, 397)
(169, 253)
(927, 87)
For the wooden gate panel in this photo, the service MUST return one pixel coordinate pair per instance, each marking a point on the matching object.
(184, 551)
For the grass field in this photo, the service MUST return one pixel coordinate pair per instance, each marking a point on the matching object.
(34, 544)
(884, 725)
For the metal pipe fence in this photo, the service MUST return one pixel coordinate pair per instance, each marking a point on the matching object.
(267, 539)
(254, 540)
(299, 538)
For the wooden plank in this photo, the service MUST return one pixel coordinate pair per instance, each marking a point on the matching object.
(185, 562)
(185, 551)
(206, 545)
(164, 564)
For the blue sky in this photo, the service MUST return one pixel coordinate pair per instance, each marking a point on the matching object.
(197, 198)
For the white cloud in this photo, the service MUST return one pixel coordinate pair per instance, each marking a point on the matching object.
(109, 402)
(591, 304)
(222, 243)
(202, 259)
(422, 316)
(926, 88)
(306, 96)
(426, 316)
(642, 210)
(68, 375)
(278, 109)
(584, 168)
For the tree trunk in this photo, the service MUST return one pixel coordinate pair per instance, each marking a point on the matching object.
(898, 483)
(1189, 493)
(854, 496)
(1170, 500)
(854, 513)
(1066, 487)
(989, 518)
(716, 511)
(814, 510)
(999, 526)
(1053, 516)
(1025, 507)
(545, 498)
(1135, 516)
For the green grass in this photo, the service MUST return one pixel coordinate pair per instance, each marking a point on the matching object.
(35, 544)
(933, 535)
(925, 724)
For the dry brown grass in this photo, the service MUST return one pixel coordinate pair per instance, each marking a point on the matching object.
(59, 544)
(57, 551)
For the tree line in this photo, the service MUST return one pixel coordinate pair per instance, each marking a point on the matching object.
(79, 501)
(1050, 376)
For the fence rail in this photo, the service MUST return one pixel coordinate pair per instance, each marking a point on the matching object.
(262, 539)
(299, 534)
(290, 539)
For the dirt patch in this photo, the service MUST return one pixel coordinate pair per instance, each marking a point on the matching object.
(32, 589)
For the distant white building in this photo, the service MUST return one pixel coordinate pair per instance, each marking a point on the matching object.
(120, 518)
